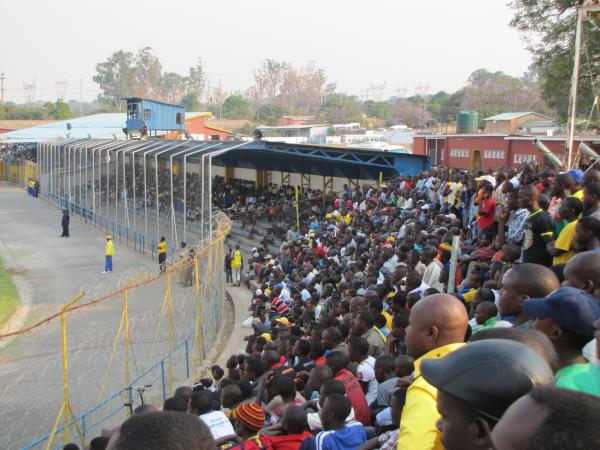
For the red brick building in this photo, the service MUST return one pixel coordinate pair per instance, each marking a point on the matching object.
(473, 151)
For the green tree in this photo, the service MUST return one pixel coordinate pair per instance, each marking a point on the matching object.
(549, 30)
(270, 114)
(190, 101)
(58, 110)
(380, 110)
(341, 108)
(116, 77)
(237, 107)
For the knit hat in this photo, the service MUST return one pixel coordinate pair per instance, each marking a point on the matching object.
(251, 415)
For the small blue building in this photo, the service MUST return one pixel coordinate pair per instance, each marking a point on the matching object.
(145, 116)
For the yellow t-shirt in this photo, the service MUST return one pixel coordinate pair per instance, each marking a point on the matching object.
(236, 262)
(110, 248)
(162, 247)
(578, 194)
(564, 242)
(470, 295)
(388, 319)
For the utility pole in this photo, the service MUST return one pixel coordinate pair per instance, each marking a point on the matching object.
(2, 78)
(80, 97)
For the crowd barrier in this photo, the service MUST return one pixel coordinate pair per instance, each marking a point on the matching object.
(132, 338)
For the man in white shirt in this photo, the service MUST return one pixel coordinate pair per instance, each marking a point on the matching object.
(365, 373)
(431, 276)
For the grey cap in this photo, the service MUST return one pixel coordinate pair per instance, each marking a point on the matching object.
(489, 375)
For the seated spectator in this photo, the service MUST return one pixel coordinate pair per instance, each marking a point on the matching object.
(337, 434)
(549, 419)
(175, 404)
(486, 316)
(385, 368)
(365, 326)
(99, 443)
(337, 362)
(166, 430)
(231, 396)
(282, 390)
(567, 317)
(327, 388)
(201, 405)
(365, 373)
(477, 383)
(249, 420)
(295, 428)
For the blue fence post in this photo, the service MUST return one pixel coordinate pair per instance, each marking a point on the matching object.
(127, 235)
(130, 388)
(187, 359)
(83, 428)
(162, 377)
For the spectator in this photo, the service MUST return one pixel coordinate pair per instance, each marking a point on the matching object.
(201, 405)
(338, 362)
(337, 435)
(476, 385)
(438, 325)
(521, 282)
(162, 431)
(538, 228)
(365, 373)
(567, 317)
(550, 419)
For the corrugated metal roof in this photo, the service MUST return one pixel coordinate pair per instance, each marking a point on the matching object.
(96, 126)
(514, 115)
(537, 123)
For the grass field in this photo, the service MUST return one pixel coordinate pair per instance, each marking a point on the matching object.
(8, 296)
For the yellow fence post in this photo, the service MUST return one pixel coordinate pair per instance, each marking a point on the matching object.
(170, 329)
(297, 211)
(65, 409)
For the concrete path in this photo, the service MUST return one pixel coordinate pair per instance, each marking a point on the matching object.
(49, 270)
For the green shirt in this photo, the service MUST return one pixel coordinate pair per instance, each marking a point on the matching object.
(580, 377)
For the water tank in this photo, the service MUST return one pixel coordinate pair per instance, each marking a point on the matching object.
(467, 122)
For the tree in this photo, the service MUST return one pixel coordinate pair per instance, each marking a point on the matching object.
(491, 93)
(237, 107)
(549, 30)
(270, 114)
(341, 108)
(116, 77)
(269, 79)
(59, 110)
(191, 102)
(381, 110)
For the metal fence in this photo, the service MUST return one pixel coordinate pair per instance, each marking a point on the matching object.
(129, 339)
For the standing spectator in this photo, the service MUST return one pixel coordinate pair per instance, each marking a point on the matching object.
(65, 223)
(162, 254)
(591, 200)
(487, 209)
(228, 259)
(437, 326)
(538, 228)
(562, 248)
(237, 264)
(109, 252)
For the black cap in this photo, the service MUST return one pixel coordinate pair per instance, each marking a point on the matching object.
(488, 375)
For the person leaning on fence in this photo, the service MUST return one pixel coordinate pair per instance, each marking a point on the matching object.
(237, 264)
(109, 252)
(162, 254)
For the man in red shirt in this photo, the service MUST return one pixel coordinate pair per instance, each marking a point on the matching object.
(338, 361)
(487, 209)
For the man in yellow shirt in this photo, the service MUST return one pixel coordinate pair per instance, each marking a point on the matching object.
(109, 252)
(162, 254)
(237, 264)
(437, 326)
(561, 249)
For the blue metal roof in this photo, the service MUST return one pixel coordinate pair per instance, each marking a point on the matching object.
(299, 158)
(97, 126)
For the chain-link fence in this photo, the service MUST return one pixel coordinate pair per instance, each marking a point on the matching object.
(132, 338)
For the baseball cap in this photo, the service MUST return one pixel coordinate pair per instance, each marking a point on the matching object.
(488, 375)
(283, 321)
(267, 336)
(571, 308)
(576, 174)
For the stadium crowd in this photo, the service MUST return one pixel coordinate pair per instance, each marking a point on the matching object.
(451, 310)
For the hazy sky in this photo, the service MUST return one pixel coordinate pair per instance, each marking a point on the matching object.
(358, 42)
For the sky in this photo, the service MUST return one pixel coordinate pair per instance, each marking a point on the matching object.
(410, 46)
